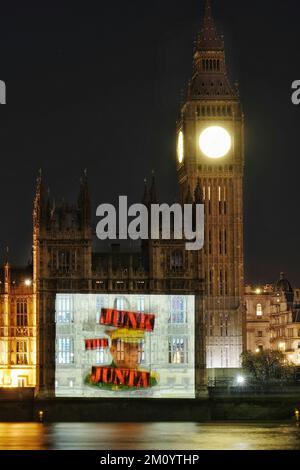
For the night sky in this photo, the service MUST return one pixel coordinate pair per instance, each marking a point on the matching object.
(97, 85)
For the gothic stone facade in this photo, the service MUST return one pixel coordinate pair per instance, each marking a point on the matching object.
(213, 101)
(64, 261)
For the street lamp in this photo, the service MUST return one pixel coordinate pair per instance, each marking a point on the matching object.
(240, 380)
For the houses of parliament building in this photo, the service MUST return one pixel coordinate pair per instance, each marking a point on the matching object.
(210, 169)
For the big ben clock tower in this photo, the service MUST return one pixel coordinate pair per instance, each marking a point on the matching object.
(210, 149)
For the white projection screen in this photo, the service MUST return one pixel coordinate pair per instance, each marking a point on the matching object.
(127, 345)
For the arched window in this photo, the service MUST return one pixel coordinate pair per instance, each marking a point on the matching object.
(259, 311)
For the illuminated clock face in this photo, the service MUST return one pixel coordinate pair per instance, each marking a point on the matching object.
(180, 147)
(215, 142)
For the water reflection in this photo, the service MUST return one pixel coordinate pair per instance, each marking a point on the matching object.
(154, 436)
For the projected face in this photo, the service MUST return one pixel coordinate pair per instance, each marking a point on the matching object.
(125, 345)
(215, 142)
(125, 354)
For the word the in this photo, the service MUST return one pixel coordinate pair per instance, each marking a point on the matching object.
(95, 344)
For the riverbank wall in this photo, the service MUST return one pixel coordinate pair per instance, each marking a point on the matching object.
(213, 408)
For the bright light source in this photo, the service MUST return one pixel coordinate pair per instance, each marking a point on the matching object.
(258, 291)
(27, 282)
(215, 142)
(257, 350)
(180, 147)
(240, 380)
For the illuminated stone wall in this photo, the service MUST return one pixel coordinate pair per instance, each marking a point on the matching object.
(174, 371)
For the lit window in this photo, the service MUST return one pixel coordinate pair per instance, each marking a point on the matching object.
(102, 356)
(65, 351)
(120, 350)
(22, 316)
(21, 356)
(178, 310)
(3, 352)
(63, 309)
(141, 304)
(178, 352)
(121, 303)
(99, 306)
(259, 311)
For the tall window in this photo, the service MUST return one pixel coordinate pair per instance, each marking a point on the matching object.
(223, 324)
(209, 200)
(220, 200)
(101, 356)
(63, 309)
(141, 352)
(178, 310)
(220, 242)
(64, 261)
(121, 303)
(178, 351)
(65, 351)
(120, 350)
(22, 353)
(209, 242)
(141, 305)
(176, 260)
(221, 282)
(225, 202)
(211, 324)
(259, 311)
(99, 305)
(225, 281)
(3, 351)
(22, 314)
(210, 282)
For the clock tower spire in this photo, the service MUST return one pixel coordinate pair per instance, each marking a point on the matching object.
(209, 37)
(210, 154)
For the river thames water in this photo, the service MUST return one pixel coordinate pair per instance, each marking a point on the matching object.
(149, 436)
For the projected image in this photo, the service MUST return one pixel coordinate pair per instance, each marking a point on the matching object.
(125, 345)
